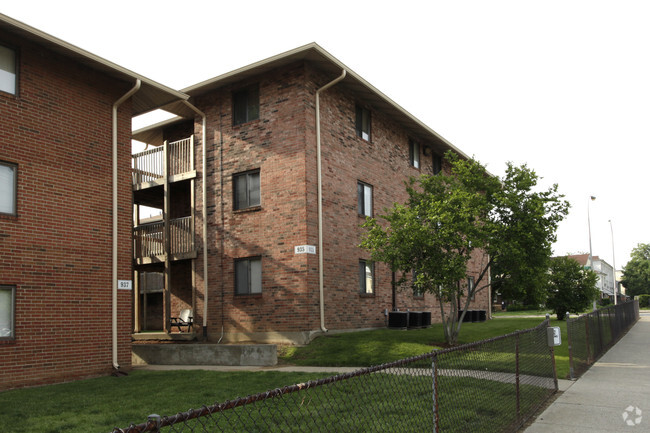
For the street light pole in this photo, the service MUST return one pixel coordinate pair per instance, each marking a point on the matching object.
(614, 264)
(591, 258)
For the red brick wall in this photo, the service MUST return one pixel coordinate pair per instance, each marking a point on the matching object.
(57, 250)
(282, 144)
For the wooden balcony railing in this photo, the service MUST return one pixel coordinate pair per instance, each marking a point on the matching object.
(149, 165)
(149, 241)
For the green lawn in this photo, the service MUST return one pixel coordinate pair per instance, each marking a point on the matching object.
(98, 405)
(366, 348)
(540, 313)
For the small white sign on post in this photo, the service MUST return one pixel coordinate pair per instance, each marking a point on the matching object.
(125, 284)
(305, 249)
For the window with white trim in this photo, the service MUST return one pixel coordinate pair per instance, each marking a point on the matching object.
(7, 188)
(7, 312)
(8, 70)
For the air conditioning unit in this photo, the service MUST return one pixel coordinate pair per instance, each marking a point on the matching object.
(398, 319)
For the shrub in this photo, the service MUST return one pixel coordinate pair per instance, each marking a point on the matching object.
(644, 301)
(604, 302)
(515, 307)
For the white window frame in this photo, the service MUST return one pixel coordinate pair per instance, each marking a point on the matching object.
(8, 70)
(8, 333)
(8, 208)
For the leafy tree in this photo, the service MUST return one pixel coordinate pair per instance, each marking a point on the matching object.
(450, 219)
(570, 287)
(636, 274)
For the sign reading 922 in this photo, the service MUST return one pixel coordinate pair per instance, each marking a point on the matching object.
(304, 249)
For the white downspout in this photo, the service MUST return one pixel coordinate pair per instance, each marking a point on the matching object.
(320, 200)
(204, 209)
(119, 102)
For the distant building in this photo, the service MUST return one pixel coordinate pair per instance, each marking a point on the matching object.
(604, 270)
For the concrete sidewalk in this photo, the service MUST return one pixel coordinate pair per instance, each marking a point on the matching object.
(618, 383)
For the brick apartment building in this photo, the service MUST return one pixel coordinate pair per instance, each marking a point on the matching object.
(253, 147)
(61, 314)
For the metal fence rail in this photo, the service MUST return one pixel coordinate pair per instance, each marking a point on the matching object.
(591, 335)
(492, 385)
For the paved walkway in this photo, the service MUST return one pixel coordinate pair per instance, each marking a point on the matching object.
(618, 383)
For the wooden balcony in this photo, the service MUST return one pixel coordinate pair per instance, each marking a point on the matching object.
(149, 241)
(176, 159)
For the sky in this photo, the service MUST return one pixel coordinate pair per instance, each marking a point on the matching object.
(562, 86)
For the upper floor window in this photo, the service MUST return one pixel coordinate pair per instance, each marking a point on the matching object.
(246, 105)
(7, 188)
(7, 315)
(248, 276)
(7, 70)
(417, 291)
(366, 277)
(364, 199)
(437, 164)
(414, 153)
(363, 122)
(246, 189)
(470, 288)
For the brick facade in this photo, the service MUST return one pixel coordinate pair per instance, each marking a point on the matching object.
(56, 250)
(281, 144)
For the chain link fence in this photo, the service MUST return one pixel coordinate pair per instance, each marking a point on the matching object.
(591, 335)
(493, 385)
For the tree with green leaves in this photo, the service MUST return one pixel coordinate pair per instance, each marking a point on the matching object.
(505, 225)
(636, 274)
(570, 287)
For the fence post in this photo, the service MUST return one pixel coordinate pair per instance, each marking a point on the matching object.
(552, 351)
(517, 375)
(434, 376)
(155, 419)
(568, 338)
(587, 338)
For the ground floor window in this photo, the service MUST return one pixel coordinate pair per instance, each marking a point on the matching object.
(366, 277)
(7, 312)
(248, 276)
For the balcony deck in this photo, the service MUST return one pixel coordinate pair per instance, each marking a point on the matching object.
(148, 167)
(149, 245)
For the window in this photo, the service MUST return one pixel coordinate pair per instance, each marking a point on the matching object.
(7, 70)
(470, 287)
(414, 153)
(245, 105)
(364, 199)
(363, 123)
(437, 164)
(7, 307)
(417, 291)
(248, 276)
(7, 188)
(366, 277)
(246, 189)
